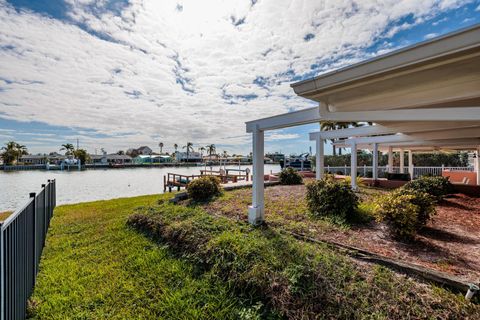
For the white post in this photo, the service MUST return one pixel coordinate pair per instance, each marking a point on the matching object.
(477, 160)
(353, 165)
(390, 159)
(410, 163)
(319, 159)
(402, 161)
(375, 162)
(257, 209)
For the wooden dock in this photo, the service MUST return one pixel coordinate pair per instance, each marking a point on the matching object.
(178, 181)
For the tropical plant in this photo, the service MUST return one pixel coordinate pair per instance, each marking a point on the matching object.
(290, 176)
(211, 149)
(161, 147)
(332, 125)
(12, 152)
(437, 187)
(204, 188)
(82, 155)
(201, 149)
(225, 154)
(189, 148)
(120, 152)
(328, 197)
(68, 147)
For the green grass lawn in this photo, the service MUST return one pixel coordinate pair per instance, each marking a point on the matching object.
(182, 262)
(95, 267)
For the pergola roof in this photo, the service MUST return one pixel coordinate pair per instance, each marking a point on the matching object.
(423, 97)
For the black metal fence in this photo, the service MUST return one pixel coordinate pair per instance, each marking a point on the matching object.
(22, 238)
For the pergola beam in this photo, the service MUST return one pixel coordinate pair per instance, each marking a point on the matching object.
(430, 114)
(285, 120)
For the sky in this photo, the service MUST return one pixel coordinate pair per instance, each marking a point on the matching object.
(117, 74)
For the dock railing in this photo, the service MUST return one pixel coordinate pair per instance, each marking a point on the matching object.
(22, 238)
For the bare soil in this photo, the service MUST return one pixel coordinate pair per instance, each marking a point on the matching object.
(450, 243)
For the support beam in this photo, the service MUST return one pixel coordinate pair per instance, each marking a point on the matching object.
(319, 158)
(353, 165)
(402, 161)
(285, 120)
(410, 163)
(375, 161)
(390, 159)
(429, 114)
(256, 212)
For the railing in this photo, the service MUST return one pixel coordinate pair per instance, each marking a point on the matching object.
(22, 238)
(366, 171)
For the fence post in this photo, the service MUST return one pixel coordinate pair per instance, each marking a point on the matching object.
(33, 195)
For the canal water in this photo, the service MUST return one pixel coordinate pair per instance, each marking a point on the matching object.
(90, 185)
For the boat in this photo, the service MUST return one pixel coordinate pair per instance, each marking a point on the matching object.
(299, 163)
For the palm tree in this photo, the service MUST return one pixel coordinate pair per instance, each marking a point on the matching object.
(211, 149)
(21, 150)
(332, 125)
(189, 148)
(161, 147)
(175, 146)
(225, 154)
(68, 147)
(12, 152)
(201, 149)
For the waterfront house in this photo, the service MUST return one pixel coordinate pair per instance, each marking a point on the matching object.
(423, 97)
(144, 150)
(36, 159)
(111, 159)
(192, 156)
(154, 158)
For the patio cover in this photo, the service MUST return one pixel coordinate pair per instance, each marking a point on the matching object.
(423, 97)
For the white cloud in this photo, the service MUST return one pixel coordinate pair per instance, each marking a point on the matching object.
(180, 75)
(430, 36)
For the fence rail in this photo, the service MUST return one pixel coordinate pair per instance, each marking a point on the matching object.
(366, 171)
(22, 238)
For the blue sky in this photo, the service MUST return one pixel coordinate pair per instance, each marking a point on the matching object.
(117, 74)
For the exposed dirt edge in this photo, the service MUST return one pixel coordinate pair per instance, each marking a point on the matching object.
(427, 275)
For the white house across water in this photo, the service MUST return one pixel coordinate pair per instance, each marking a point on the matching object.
(420, 98)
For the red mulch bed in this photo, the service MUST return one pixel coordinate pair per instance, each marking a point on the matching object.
(450, 243)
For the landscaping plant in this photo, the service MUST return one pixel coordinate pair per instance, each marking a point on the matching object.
(204, 188)
(290, 176)
(327, 197)
(438, 187)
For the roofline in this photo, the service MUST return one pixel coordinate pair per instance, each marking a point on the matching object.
(450, 43)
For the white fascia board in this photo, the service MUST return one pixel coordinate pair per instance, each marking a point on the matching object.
(430, 50)
(291, 119)
(430, 114)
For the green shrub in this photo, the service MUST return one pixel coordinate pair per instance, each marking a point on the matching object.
(204, 188)
(424, 201)
(330, 198)
(290, 176)
(399, 213)
(438, 187)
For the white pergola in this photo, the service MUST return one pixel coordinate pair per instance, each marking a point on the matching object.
(424, 97)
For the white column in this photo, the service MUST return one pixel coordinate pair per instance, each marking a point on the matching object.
(402, 160)
(353, 165)
(257, 209)
(390, 159)
(410, 163)
(477, 160)
(319, 158)
(375, 162)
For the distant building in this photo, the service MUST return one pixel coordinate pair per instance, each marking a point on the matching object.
(52, 158)
(192, 156)
(148, 159)
(111, 159)
(144, 150)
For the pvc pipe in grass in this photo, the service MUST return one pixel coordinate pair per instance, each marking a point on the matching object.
(471, 291)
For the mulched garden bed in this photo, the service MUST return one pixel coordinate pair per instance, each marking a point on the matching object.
(450, 243)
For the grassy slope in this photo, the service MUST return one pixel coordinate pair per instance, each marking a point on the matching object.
(95, 267)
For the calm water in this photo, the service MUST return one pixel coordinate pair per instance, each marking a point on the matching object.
(89, 185)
